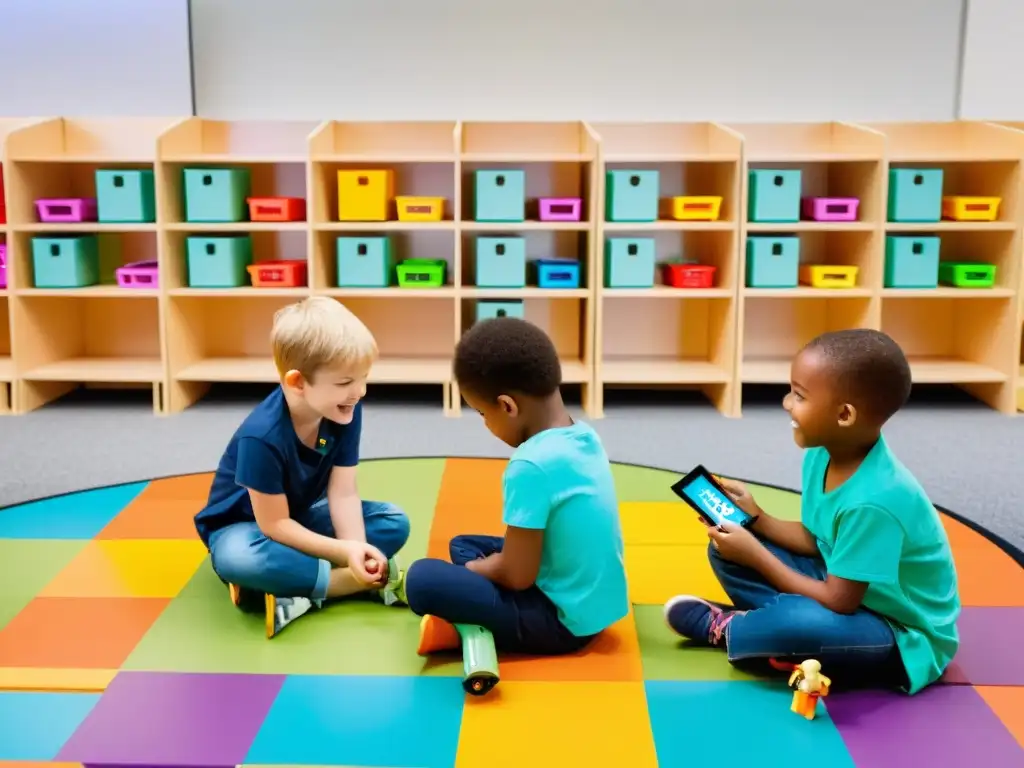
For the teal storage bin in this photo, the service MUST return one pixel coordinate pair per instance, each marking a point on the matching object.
(915, 194)
(216, 194)
(500, 195)
(911, 261)
(631, 196)
(65, 261)
(219, 262)
(125, 196)
(500, 262)
(629, 262)
(487, 310)
(773, 261)
(774, 196)
(364, 262)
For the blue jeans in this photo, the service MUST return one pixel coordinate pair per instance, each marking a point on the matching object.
(793, 627)
(243, 556)
(521, 622)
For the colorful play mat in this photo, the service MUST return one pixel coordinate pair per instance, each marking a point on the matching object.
(119, 646)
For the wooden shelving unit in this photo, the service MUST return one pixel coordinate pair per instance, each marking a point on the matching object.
(664, 336)
(7, 377)
(1019, 127)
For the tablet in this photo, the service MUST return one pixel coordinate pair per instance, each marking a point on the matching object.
(701, 491)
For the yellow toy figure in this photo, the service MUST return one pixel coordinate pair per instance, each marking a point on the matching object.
(810, 686)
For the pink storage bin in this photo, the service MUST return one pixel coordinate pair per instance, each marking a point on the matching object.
(139, 274)
(560, 208)
(830, 208)
(3, 266)
(66, 209)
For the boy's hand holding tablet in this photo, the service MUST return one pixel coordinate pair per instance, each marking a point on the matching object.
(717, 504)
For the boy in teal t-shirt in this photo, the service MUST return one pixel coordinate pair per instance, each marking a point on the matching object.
(865, 581)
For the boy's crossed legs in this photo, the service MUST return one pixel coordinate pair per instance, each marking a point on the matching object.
(292, 581)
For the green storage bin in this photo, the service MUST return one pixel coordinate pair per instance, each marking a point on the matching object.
(631, 195)
(216, 194)
(364, 262)
(68, 261)
(125, 196)
(774, 196)
(915, 194)
(219, 262)
(773, 261)
(422, 273)
(487, 310)
(629, 262)
(967, 274)
(911, 261)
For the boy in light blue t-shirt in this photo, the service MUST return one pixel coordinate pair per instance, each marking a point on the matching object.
(556, 579)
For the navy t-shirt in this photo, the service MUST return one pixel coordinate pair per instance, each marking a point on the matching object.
(267, 456)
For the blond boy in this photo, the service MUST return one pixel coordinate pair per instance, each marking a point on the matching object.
(284, 523)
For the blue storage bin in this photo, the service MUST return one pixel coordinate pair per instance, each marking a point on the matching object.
(915, 194)
(774, 195)
(557, 273)
(364, 262)
(216, 194)
(65, 261)
(500, 262)
(219, 262)
(773, 261)
(911, 261)
(500, 195)
(629, 262)
(125, 196)
(631, 196)
(487, 310)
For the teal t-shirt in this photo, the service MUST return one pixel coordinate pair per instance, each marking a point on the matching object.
(880, 527)
(560, 480)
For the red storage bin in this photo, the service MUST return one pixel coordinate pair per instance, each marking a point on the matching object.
(690, 275)
(276, 209)
(278, 274)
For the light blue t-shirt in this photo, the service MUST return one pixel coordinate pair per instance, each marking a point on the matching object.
(560, 481)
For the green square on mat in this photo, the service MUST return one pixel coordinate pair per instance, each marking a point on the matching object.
(200, 631)
(412, 484)
(35, 563)
(665, 655)
(784, 505)
(644, 483)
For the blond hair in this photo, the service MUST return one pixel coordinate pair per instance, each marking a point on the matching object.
(319, 332)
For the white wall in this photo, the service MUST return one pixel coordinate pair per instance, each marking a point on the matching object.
(993, 72)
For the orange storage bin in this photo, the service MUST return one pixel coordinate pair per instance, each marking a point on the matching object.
(962, 208)
(278, 274)
(689, 275)
(694, 208)
(276, 208)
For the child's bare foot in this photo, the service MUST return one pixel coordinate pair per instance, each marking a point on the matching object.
(437, 635)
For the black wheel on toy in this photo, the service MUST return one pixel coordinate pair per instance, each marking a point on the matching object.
(478, 685)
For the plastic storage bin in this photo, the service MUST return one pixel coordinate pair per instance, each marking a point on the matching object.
(911, 261)
(138, 274)
(961, 208)
(420, 208)
(500, 195)
(3, 265)
(966, 274)
(830, 208)
(422, 273)
(65, 262)
(774, 195)
(364, 262)
(216, 194)
(828, 276)
(488, 310)
(218, 262)
(629, 262)
(286, 273)
(365, 195)
(276, 209)
(694, 207)
(689, 275)
(915, 194)
(500, 262)
(559, 208)
(631, 195)
(66, 209)
(125, 196)
(773, 261)
(557, 273)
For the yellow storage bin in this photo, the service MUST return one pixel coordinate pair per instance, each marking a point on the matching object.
(828, 276)
(365, 195)
(694, 208)
(962, 208)
(420, 208)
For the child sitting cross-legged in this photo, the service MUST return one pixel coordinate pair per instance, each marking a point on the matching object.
(864, 583)
(556, 578)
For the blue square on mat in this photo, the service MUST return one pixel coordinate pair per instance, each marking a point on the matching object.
(772, 735)
(71, 516)
(362, 720)
(34, 726)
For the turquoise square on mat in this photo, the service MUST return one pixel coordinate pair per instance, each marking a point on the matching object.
(362, 720)
(34, 726)
(76, 516)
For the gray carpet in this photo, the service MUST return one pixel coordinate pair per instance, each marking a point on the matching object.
(969, 458)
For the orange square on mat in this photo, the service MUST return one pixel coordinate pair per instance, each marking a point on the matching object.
(657, 573)
(190, 488)
(77, 632)
(469, 501)
(613, 656)
(660, 522)
(584, 724)
(148, 518)
(1008, 703)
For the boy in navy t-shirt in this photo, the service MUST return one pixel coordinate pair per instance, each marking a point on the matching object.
(284, 523)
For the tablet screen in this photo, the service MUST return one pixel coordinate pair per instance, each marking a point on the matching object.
(712, 502)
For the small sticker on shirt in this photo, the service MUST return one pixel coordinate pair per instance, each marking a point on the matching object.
(321, 445)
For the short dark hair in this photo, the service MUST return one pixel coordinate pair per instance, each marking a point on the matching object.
(506, 356)
(870, 369)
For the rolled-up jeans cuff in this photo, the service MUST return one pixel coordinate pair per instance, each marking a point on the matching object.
(323, 579)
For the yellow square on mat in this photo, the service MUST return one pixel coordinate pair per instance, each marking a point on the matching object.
(657, 573)
(129, 568)
(660, 522)
(586, 724)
